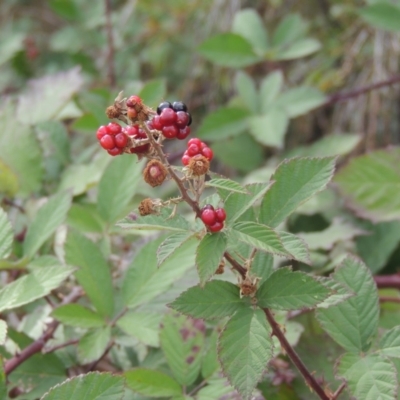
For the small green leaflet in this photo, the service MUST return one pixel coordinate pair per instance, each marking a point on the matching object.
(209, 254)
(390, 343)
(6, 235)
(296, 180)
(288, 290)
(369, 377)
(93, 344)
(161, 222)
(182, 341)
(35, 285)
(90, 386)
(226, 184)
(218, 299)
(78, 315)
(296, 246)
(339, 290)
(353, 322)
(259, 236)
(152, 383)
(245, 348)
(171, 244)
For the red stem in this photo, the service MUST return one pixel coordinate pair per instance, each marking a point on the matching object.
(308, 377)
(388, 281)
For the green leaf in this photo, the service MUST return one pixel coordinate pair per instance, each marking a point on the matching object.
(210, 357)
(296, 246)
(209, 254)
(340, 292)
(46, 96)
(369, 377)
(3, 334)
(249, 25)
(270, 128)
(78, 315)
(65, 8)
(300, 100)
(245, 348)
(94, 273)
(295, 181)
(218, 299)
(300, 48)
(331, 145)
(117, 186)
(223, 123)
(353, 322)
(153, 91)
(338, 231)
(378, 244)
(288, 290)
(6, 235)
(85, 218)
(143, 326)
(152, 383)
(389, 344)
(290, 29)
(382, 15)
(49, 217)
(237, 203)
(226, 184)
(93, 345)
(92, 386)
(259, 236)
(247, 91)
(8, 180)
(144, 280)
(228, 50)
(37, 284)
(230, 152)
(161, 222)
(182, 341)
(27, 168)
(262, 266)
(171, 244)
(371, 184)
(270, 88)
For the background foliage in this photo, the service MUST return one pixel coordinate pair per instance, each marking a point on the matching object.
(264, 81)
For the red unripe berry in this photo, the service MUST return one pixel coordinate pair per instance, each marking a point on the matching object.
(132, 100)
(121, 140)
(170, 131)
(107, 142)
(113, 128)
(220, 214)
(101, 132)
(182, 119)
(157, 123)
(185, 159)
(193, 150)
(208, 207)
(132, 130)
(115, 151)
(216, 227)
(208, 217)
(207, 153)
(195, 141)
(183, 133)
(167, 117)
(131, 113)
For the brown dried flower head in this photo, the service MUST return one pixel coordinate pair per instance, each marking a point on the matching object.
(147, 206)
(155, 173)
(221, 268)
(113, 112)
(198, 165)
(248, 286)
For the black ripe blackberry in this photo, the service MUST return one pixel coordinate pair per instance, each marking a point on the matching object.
(190, 119)
(179, 106)
(161, 106)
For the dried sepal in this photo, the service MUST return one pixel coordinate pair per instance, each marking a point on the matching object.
(198, 165)
(155, 173)
(149, 206)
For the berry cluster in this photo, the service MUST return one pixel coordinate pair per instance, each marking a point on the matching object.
(196, 147)
(172, 120)
(213, 218)
(115, 139)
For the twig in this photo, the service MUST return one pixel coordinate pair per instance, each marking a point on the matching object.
(110, 40)
(389, 299)
(388, 281)
(38, 344)
(339, 97)
(338, 391)
(308, 377)
(60, 346)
